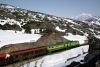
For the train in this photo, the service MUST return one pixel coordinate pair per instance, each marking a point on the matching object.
(16, 56)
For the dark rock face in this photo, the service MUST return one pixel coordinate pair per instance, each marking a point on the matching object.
(94, 47)
(93, 57)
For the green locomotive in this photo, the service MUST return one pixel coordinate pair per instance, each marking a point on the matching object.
(62, 45)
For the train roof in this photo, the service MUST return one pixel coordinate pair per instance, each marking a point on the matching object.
(59, 43)
(26, 50)
(2, 55)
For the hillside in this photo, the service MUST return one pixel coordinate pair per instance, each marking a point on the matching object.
(18, 19)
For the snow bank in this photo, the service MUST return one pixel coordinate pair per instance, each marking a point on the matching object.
(10, 37)
(57, 28)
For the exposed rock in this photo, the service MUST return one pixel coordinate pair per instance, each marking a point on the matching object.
(98, 63)
(93, 57)
(50, 39)
(94, 47)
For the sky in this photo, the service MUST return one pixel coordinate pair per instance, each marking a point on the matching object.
(61, 8)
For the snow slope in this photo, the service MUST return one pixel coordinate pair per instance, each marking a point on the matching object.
(10, 37)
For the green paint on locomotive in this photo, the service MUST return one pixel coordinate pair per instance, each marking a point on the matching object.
(62, 45)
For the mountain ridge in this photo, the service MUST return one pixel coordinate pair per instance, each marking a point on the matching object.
(18, 19)
(88, 18)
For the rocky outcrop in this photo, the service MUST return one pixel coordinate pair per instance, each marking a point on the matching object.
(94, 47)
(93, 57)
(50, 39)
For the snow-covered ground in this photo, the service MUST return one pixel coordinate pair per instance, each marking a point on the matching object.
(55, 60)
(10, 37)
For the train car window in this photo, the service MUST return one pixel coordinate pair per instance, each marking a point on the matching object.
(16, 56)
(30, 52)
(40, 51)
(35, 51)
(43, 49)
(25, 53)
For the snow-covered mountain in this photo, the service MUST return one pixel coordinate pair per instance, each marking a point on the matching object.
(18, 19)
(88, 18)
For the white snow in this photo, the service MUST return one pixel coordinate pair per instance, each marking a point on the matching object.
(9, 6)
(70, 21)
(10, 21)
(10, 37)
(57, 28)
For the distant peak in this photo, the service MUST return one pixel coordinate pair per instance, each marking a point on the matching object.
(84, 14)
(83, 17)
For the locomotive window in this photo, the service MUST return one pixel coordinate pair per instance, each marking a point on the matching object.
(51, 47)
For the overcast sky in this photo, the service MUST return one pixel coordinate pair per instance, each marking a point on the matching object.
(61, 8)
